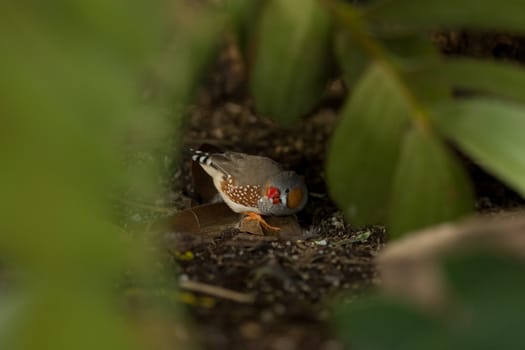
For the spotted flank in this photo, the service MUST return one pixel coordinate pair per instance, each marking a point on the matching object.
(246, 195)
(201, 157)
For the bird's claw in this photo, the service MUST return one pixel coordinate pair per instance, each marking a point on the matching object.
(262, 222)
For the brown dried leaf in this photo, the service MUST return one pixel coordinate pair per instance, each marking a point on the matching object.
(410, 267)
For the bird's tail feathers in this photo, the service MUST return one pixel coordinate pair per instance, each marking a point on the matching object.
(201, 157)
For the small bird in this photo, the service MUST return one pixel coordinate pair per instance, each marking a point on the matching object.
(254, 185)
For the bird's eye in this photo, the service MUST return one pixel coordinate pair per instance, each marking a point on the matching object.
(287, 190)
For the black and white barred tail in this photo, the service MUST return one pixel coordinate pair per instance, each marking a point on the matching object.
(201, 157)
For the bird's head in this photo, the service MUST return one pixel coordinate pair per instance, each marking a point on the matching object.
(285, 193)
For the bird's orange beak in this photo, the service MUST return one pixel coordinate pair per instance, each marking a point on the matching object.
(274, 194)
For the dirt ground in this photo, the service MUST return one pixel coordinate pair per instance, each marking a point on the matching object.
(293, 282)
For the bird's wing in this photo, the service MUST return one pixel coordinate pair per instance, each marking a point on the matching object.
(246, 169)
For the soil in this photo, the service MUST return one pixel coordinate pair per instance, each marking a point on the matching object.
(294, 282)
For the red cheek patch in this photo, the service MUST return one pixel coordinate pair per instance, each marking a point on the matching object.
(274, 194)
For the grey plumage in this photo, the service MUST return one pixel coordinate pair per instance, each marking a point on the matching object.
(246, 169)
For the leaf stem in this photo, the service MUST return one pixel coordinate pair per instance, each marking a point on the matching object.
(351, 19)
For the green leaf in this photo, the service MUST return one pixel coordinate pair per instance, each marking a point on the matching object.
(365, 147)
(420, 80)
(69, 93)
(380, 324)
(430, 185)
(292, 58)
(486, 313)
(410, 51)
(413, 14)
(194, 42)
(414, 53)
(477, 278)
(351, 58)
(244, 17)
(490, 289)
(491, 132)
(497, 78)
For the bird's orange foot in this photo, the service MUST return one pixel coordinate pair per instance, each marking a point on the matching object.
(254, 216)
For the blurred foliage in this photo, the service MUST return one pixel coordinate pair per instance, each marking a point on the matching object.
(84, 81)
(298, 31)
(431, 185)
(388, 160)
(485, 312)
(71, 80)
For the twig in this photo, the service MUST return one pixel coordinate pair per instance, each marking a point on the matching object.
(217, 291)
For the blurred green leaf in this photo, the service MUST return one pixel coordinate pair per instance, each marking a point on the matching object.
(430, 185)
(195, 40)
(409, 52)
(367, 175)
(424, 83)
(380, 324)
(502, 79)
(245, 16)
(70, 83)
(365, 147)
(486, 312)
(414, 14)
(173, 78)
(350, 57)
(412, 53)
(92, 23)
(52, 319)
(292, 58)
(490, 131)
(491, 290)
(479, 279)
(54, 107)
